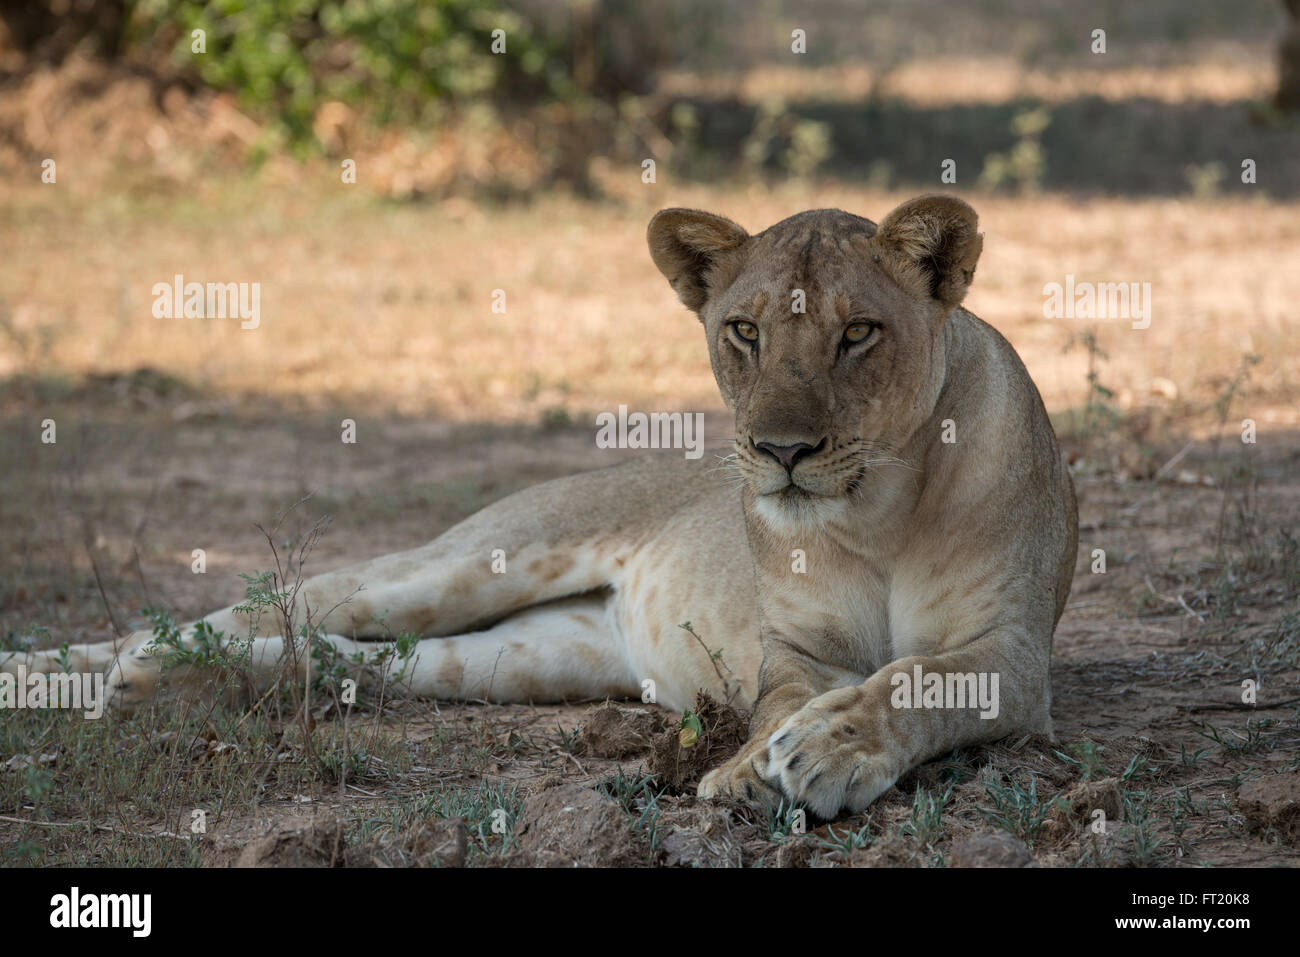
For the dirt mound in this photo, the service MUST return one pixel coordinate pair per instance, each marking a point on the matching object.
(611, 731)
(1075, 810)
(572, 826)
(889, 850)
(322, 843)
(701, 837)
(318, 844)
(1273, 802)
(722, 730)
(796, 851)
(990, 849)
(438, 842)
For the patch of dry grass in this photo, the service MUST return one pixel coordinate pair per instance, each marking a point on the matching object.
(391, 308)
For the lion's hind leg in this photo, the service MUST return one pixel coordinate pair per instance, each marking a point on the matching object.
(560, 651)
(89, 657)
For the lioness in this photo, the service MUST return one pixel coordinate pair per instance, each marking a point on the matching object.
(903, 521)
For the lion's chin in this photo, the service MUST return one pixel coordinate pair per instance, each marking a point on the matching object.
(794, 509)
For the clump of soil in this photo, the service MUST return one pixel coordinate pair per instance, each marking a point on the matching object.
(1074, 809)
(1273, 802)
(804, 850)
(437, 842)
(990, 849)
(614, 732)
(723, 729)
(1086, 797)
(888, 850)
(322, 843)
(318, 844)
(702, 836)
(573, 826)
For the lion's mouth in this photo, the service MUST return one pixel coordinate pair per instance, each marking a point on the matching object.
(795, 492)
(796, 507)
(807, 483)
(795, 497)
(782, 488)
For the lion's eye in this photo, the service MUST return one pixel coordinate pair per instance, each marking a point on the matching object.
(859, 331)
(746, 330)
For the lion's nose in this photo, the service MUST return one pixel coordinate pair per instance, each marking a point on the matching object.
(789, 455)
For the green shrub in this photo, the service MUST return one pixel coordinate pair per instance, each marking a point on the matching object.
(399, 61)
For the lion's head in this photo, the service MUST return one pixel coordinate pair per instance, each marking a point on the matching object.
(824, 335)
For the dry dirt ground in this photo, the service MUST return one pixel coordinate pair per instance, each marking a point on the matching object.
(1199, 594)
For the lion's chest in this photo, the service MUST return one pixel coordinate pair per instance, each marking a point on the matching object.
(839, 614)
(860, 615)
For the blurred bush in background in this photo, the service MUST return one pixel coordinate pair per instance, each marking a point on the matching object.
(318, 75)
(400, 60)
(586, 90)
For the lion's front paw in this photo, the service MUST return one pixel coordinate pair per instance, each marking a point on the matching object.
(826, 756)
(134, 676)
(741, 779)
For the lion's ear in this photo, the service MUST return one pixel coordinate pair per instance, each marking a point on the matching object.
(931, 244)
(686, 245)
